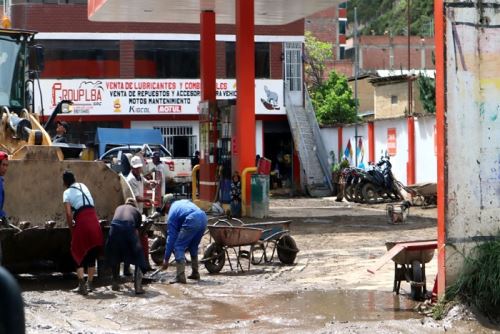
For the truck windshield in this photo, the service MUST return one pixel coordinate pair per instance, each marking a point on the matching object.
(11, 72)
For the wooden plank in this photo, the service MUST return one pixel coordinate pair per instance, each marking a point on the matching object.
(399, 247)
(387, 256)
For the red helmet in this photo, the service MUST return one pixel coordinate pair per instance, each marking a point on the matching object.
(3, 156)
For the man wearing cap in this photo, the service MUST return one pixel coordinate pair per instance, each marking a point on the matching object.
(123, 243)
(136, 181)
(186, 225)
(62, 129)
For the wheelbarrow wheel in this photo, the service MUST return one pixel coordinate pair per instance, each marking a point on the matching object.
(214, 258)
(287, 249)
(157, 251)
(417, 291)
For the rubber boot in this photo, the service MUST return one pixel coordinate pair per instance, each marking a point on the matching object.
(138, 281)
(90, 286)
(115, 283)
(82, 287)
(195, 274)
(181, 276)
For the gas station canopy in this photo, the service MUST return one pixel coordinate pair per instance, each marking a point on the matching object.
(267, 12)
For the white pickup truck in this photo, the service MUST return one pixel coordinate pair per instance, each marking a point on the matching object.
(179, 168)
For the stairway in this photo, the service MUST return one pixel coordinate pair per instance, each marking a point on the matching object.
(310, 148)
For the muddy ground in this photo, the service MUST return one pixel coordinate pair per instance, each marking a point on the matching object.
(327, 290)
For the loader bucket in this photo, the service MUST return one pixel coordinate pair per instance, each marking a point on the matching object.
(38, 238)
(34, 189)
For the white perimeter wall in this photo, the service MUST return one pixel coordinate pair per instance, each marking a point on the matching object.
(426, 160)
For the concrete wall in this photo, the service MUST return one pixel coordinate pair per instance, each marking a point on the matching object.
(426, 160)
(377, 52)
(473, 129)
(384, 105)
(384, 108)
(365, 94)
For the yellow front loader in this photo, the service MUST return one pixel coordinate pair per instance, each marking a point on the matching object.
(36, 235)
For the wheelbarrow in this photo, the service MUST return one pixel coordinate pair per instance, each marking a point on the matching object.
(409, 264)
(229, 237)
(423, 194)
(157, 249)
(275, 239)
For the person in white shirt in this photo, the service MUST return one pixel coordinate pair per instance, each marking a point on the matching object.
(136, 181)
(160, 168)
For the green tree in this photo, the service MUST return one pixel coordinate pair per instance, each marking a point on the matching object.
(316, 54)
(333, 101)
(427, 89)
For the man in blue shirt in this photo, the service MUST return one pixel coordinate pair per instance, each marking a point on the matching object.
(186, 225)
(4, 164)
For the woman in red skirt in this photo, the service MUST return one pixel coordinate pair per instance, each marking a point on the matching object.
(86, 234)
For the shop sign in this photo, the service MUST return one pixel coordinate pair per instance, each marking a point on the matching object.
(391, 142)
(149, 96)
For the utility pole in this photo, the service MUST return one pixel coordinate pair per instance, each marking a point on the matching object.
(409, 62)
(356, 70)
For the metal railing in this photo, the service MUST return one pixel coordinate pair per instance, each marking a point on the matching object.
(318, 140)
(296, 133)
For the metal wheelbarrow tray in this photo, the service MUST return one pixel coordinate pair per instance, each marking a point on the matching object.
(229, 237)
(409, 259)
(233, 236)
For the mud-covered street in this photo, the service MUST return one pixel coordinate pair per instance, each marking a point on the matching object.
(328, 289)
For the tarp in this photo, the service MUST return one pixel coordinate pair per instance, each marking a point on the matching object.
(117, 136)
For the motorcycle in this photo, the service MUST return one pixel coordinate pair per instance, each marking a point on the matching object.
(379, 185)
(352, 187)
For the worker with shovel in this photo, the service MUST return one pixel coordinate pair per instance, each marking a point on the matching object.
(123, 244)
(186, 225)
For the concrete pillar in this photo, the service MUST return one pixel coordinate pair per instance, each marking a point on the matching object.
(371, 141)
(410, 169)
(243, 148)
(208, 185)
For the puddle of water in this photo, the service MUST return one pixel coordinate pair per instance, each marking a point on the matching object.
(335, 305)
(294, 309)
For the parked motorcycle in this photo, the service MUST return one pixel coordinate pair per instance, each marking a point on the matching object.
(352, 189)
(379, 185)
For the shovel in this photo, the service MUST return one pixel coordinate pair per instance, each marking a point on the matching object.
(151, 277)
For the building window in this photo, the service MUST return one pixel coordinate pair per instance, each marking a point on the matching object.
(262, 60)
(179, 140)
(342, 27)
(81, 59)
(342, 52)
(293, 65)
(167, 59)
(394, 99)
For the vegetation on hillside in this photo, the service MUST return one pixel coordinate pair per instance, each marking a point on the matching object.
(386, 17)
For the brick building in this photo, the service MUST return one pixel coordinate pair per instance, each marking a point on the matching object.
(391, 52)
(90, 61)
